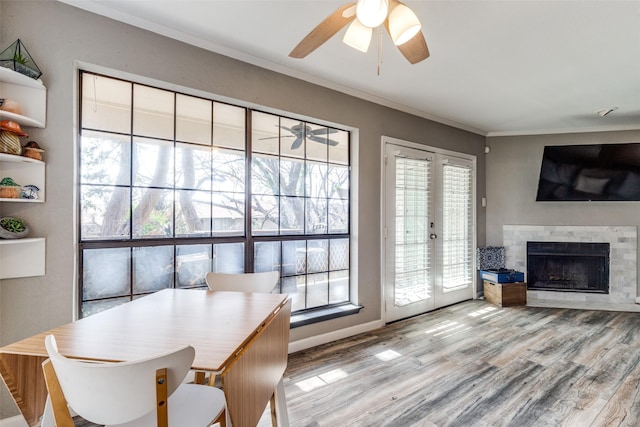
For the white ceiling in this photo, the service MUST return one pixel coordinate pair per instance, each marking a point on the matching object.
(507, 67)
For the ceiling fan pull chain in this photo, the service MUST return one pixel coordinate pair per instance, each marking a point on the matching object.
(379, 50)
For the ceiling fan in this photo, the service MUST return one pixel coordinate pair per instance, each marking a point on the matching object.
(400, 22)
(302, 131)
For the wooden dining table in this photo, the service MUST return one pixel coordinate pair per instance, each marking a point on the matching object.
(243, 337)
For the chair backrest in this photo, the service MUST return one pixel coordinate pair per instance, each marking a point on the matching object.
(115, 393)
(245, 282)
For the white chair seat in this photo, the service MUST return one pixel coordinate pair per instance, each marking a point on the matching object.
(191, 405)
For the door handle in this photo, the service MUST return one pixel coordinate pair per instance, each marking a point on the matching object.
(433, 236)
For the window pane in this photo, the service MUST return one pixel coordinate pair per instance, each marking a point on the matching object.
(292, 177)
(228, 258)
(339, 153)
(316, 179)
(152, 163)
(228, 172)
(317, 142)
(338, 287)
(105, 158)
(153, 268)
(104, 212)
(317, 256)
(152, 213)
(264, 175)
(193, 167)
(339, 254)
(193, 213)
(264, 214)
(228, 126)
(292, 215)
(338, 216)
(295, 287)
(294, 257)
(267, 256)
(106, 273)
(292, 137)
(93, 307)
(316, 216)
(106, 103)
(228, 214)
(265, 133)
(153, 112)
(193, 262)
(338, 185)
(317, 290)
(193, 119)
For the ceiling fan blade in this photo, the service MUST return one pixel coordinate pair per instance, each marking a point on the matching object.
(324, 31)
(320, 131)
(297, 143)
(415, 50)
(322, 140)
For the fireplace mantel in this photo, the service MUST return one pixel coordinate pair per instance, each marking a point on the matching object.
(623, 241)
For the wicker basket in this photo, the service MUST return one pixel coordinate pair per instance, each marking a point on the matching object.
(9, 192)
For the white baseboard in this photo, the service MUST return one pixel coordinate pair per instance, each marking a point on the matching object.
(305, 343)
(17, 421)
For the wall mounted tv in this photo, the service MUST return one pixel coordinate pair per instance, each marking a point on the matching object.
(600, 172)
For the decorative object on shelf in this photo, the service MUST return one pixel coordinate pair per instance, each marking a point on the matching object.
(17, 58)
(9, 137)
(490, 257)
(32, 150)
(9, 189)
(29, 192)
(10, 106)
(13, 228)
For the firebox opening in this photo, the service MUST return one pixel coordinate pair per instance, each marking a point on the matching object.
(568, 267)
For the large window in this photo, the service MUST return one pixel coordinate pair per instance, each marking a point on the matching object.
(172, 186)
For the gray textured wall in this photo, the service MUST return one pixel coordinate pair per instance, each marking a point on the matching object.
(57, 35)
(513, 168)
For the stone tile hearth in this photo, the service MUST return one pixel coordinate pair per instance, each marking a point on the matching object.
(623, 241)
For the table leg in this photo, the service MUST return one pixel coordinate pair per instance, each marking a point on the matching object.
(281, 405)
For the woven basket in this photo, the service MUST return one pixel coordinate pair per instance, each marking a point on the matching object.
(9, 192)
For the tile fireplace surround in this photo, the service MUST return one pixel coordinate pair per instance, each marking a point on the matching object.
(623, 243)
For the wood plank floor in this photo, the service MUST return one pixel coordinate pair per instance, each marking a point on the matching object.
(474, 364)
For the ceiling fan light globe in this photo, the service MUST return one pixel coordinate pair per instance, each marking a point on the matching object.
(358, 36)
(372, 13)
(403, 24)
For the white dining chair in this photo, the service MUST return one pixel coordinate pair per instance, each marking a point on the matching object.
(243, 282)
(141, 393)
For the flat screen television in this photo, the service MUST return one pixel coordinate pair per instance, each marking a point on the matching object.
(599, 172)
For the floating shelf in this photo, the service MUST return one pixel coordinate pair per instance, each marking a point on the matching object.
(29, 93)
(22, 257)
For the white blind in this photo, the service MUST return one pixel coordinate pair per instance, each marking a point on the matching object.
(457, 227)
(412, 231)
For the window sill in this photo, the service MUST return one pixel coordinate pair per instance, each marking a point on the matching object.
(324, 314)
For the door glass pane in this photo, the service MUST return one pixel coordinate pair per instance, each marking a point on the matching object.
(193, 167)
(456, 231)
(193, 213)
(265, 133)
(105, 212)
(228, 258)
(411, 240)
(152, 213)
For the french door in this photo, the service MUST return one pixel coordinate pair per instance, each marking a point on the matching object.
(428, 230)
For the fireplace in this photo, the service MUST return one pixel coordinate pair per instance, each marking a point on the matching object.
(568, 267)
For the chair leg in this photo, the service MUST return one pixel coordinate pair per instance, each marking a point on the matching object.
(222, 419)
(59, 407)
(199, 377)
(272, 405)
